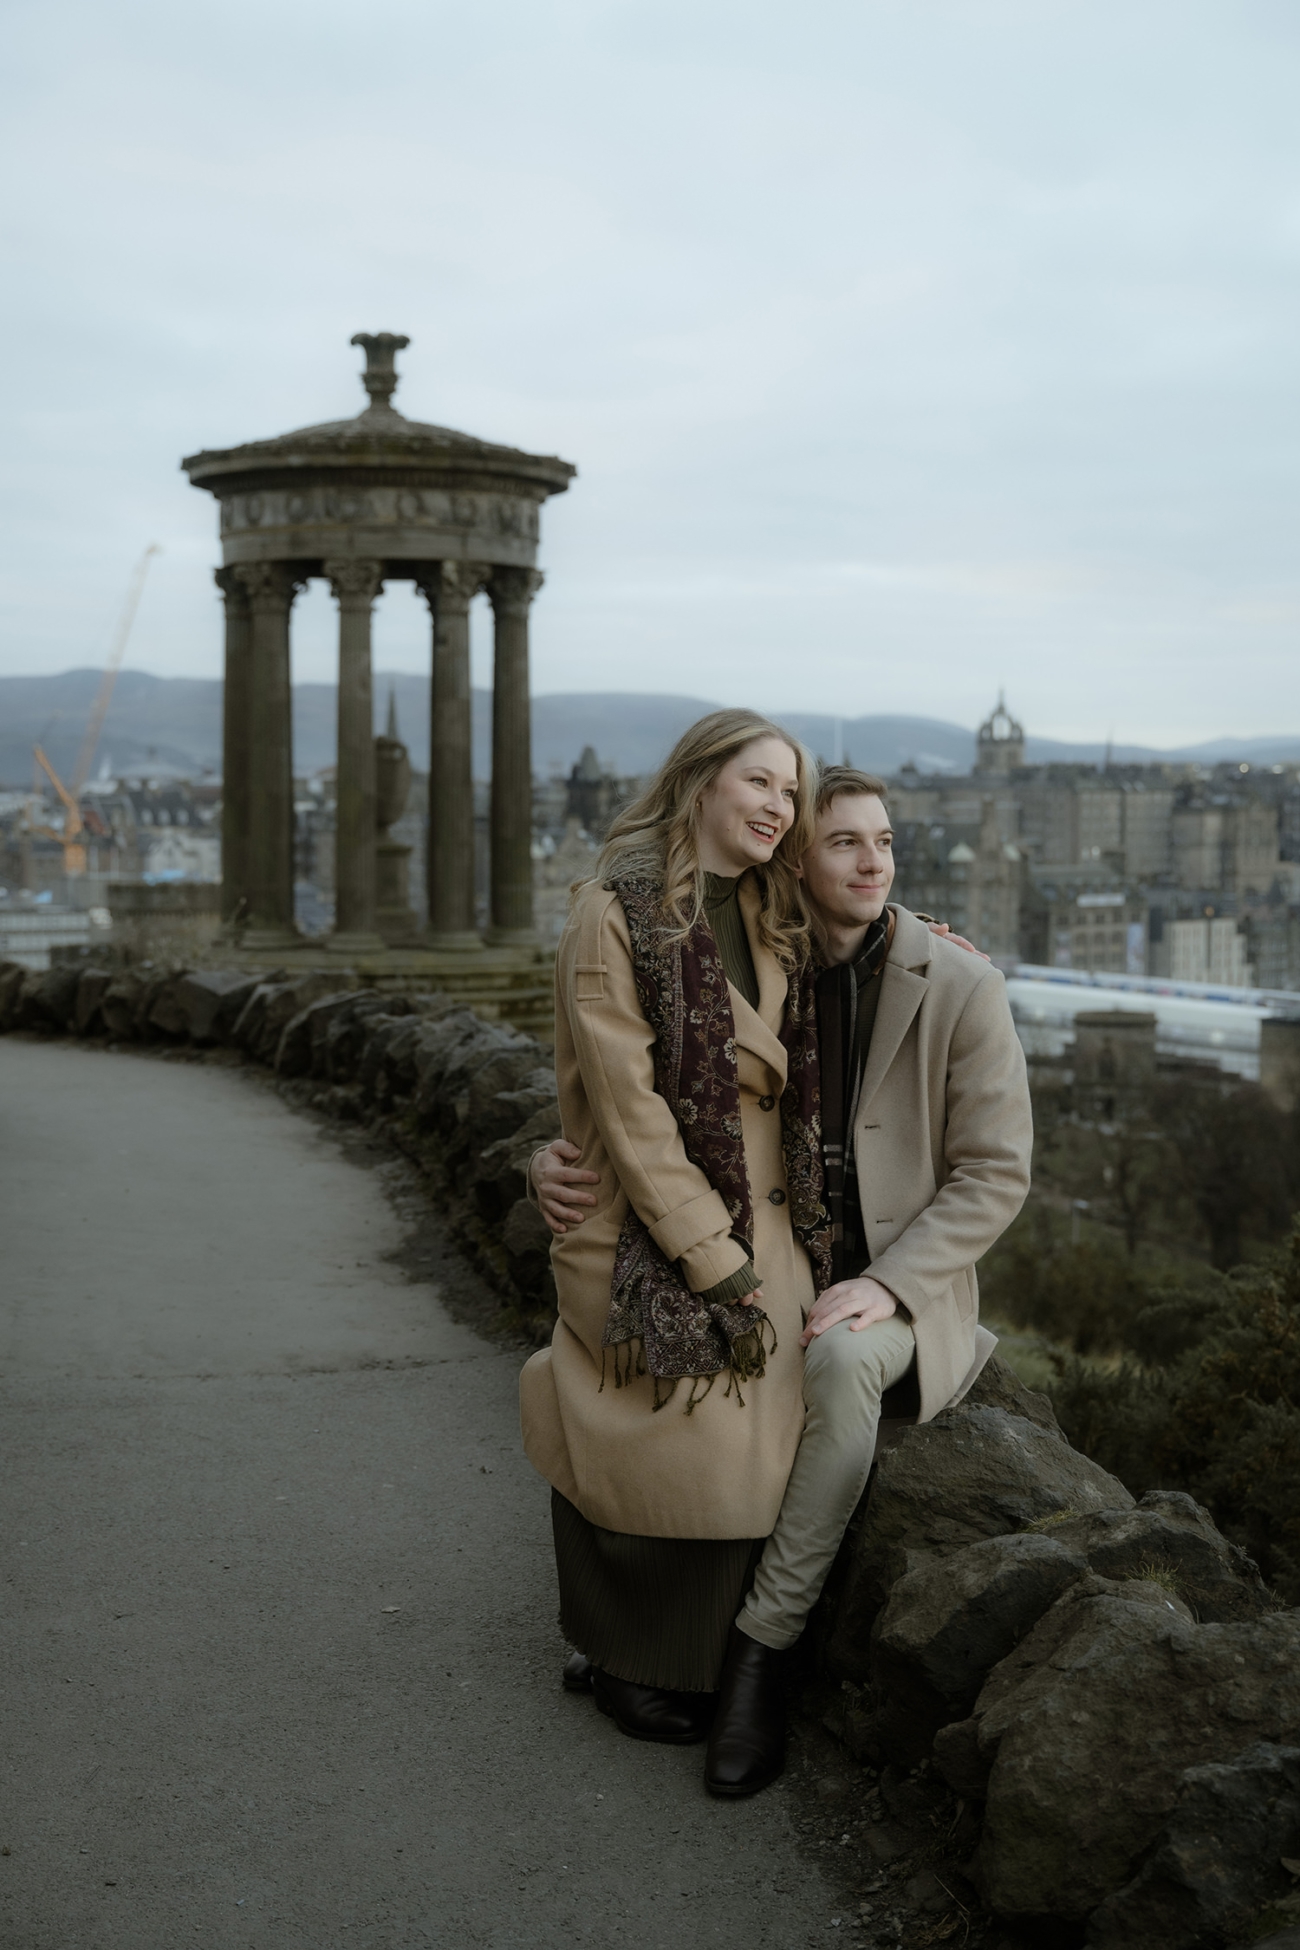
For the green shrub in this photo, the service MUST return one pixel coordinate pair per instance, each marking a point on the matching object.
(1221, 1419)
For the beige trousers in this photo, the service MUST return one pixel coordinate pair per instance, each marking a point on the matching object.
(844, 1376)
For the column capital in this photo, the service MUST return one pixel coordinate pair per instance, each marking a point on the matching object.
(512, 590)
(453, 585)
(354, 582)
(271, 586)
(233, 589)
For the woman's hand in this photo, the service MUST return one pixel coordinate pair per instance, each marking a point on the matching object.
(553, 1177)
(860, 1302)
(957, 940)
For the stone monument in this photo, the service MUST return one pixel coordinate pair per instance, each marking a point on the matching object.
(362, 502)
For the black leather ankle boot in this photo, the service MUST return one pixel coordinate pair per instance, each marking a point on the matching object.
(747, 1744)
(653, 1712)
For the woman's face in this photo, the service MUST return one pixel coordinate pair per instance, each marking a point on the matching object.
(746, 809)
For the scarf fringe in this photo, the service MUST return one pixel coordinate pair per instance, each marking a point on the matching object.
(749, 1352)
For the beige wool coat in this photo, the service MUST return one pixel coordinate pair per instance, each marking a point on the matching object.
(942, 1137)
(720, 1471)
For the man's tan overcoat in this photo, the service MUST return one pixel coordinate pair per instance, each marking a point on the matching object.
(942, 1137)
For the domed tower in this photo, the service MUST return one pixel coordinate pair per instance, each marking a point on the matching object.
(1000, 742)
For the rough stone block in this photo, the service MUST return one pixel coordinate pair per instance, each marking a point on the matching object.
(11, 986)
(1219, 1859)
(948, 1624)
(388, 1039)
(122, 1000)
(49, 998)
(1091, 1723)
(272, 1007)
(87, 1017)
(442, 1100)
(973, 1472)
(248, 1023)
(211, 1000)
(343, 1038)
(167, 1012)
(301, 1049)
(497, 1175)
(1171, 1534)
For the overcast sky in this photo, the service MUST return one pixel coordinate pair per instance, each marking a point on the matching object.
(905, 348)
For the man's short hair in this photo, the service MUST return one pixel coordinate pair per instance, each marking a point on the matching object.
(845, 781)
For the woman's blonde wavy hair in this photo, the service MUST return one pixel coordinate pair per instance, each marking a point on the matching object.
(655, 838)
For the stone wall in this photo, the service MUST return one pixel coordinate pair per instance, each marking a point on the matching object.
(1077, 1717)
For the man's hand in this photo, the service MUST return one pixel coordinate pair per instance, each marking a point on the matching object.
(861, 1302)
(957, 940)
(554, 1177)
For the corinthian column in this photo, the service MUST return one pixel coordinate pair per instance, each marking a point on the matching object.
(512, 592)
(271, 588)
(236, 733)
(355, 586)
(450, 588)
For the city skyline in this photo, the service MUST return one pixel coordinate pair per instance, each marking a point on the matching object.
(900, 361)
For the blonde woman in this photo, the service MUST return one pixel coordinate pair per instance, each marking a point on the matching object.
(667, 1411)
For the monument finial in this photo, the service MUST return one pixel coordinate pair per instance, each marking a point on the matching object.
(380, 376)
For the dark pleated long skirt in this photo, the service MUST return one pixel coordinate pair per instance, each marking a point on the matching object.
(654, 1610)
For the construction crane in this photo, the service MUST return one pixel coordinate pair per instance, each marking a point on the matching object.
(74, 851)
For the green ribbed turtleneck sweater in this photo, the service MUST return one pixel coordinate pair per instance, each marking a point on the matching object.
(722, 912)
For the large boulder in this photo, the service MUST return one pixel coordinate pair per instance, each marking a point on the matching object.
(1170, 1535)
(126, 1001)
(442, 1098)
(273, 1005)
(48, 999)
(388, 1059)
(167, 1012)
(211, 1000)
(338, 1046)
(1219, 1860)
(524, 1086)
(975, 1471)
(301, 1048)
(497, 1175)
(1089, 1726)
(946, 1626)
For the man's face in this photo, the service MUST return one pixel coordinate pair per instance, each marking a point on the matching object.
(849, 868)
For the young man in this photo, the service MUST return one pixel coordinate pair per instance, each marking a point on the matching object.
(927, 1136)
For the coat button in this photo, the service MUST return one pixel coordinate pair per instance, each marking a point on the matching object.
(776, 1198)
(767, 1103)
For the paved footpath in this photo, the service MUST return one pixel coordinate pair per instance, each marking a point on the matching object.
(279, 1654)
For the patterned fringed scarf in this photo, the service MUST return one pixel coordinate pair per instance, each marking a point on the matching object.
(656, 1324)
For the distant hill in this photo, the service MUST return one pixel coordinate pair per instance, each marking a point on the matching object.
(172, 725)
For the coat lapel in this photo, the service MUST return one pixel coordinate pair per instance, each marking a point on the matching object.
(903, 982)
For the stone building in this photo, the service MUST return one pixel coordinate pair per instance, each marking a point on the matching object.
(968, 876)
(1224, 841)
